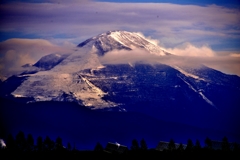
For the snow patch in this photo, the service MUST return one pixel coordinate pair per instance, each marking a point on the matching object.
(42, 98)
(2, 144)
(200, 93)
(58, 55)
(135, 40)
(93, 88)
(187, 74)
(17, 95)
(60, 86)
(189, 85)
(207, 100)
(116, 36)
(130, 64)
(96, 69)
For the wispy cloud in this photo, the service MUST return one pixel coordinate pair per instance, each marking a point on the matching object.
(188, 49)
(16, 52)
(226, 64)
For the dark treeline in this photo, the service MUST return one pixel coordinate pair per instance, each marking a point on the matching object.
(26, 147)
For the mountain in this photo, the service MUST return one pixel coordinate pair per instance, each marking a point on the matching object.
(196, 96)
(121, 40)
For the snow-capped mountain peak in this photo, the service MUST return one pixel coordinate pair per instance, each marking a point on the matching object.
(82, 77)
(118, 40)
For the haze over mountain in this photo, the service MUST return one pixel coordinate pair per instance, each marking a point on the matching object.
(122, 71)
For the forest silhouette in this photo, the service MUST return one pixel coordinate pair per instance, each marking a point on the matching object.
(26, 147)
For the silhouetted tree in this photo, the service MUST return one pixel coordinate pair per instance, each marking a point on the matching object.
(48, 144)
(143, 145)
(197, 146)
(98, 147)
(208, 143)
(225, 144)
(10, 143)
(236, 147)
(189, 145)
(180, 148)
(30, 142)
(135, 145)
(21, 141)
(171, 145)
(74, 147)
(69, 147)
(39, 144)
(58, 144)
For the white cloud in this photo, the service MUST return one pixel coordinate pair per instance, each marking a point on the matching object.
(235, 55)
(124, 56)
(16, 52)
(187, 55)
(188, 49)
(226, 64)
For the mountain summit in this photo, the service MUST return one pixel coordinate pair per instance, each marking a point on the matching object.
(118, 40)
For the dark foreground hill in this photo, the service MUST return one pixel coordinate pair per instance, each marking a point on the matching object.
(83, 127)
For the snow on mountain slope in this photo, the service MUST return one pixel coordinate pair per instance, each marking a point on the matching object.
(186, 73)
(52, 86)
(82, 58)
(2, 78)
(190, 86)
(198, 91)
(121, 40)
(64, 82)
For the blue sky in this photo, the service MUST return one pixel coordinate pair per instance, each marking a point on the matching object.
(205, 27)
(232, 3)
(228, 3)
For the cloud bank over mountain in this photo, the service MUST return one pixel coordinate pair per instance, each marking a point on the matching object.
(186, 54)
(226, 64)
